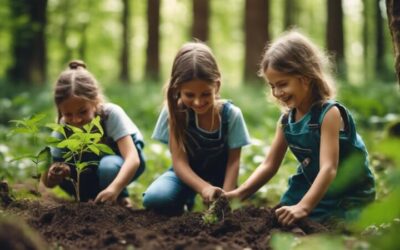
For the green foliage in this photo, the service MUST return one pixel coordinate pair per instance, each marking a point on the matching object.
(31, 127)
(210, 218)
(285, 241)
(83, 140)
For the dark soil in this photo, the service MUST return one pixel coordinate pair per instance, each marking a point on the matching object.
(72, 225)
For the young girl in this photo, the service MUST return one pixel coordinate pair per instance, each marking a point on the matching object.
(204, 133)
(78, 100)
(333, 178)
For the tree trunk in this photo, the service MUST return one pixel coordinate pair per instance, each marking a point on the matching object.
(29, 43)
(256, 36)
(335, 35)
(379, 41)
(393, 12)
(65, 26)
(83, 43)
(367, 34)
(152, 52)
(291, 13)
(201, 13)
(124, 57)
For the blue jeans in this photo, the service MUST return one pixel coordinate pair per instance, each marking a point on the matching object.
(109, 167)
(168, 194)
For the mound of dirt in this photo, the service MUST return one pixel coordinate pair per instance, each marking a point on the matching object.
(72, 225)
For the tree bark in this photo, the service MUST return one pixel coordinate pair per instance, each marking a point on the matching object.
(152, 51)
(125, 51)
(291, 13)
(393, 12)
(379, 41)
(256, 36)
(335, 35)
(201, 13)
(29, 43)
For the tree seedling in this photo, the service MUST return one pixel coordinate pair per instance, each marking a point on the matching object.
(217, 210)
(82, 140)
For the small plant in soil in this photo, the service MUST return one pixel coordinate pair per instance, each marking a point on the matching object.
(31, 127)
(82, 140)
(217, 210)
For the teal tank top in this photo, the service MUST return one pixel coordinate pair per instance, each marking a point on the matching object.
(353, 186)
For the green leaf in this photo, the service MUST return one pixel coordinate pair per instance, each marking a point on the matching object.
(22, 130)
(52, 140)
(57, 128)
(105, 149)
(94, 149)
(44, 154)
(71, 144)
(75, 129)
(29, 156)
(96, 122)
(36, 118)
(81, 165)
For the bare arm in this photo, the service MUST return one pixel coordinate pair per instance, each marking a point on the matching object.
(329, 158)
(128, 170)
(266, 170)
(232, 169)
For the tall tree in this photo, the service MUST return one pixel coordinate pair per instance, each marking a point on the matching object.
(379, 39)
(201, 13)
(367, 34)
(124, 57)
(29, 43)
(393, 12)
(291, 13)
(152, 51)
(335, 34)
(256, 36)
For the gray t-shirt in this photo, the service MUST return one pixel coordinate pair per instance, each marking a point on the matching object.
(238, 136)
(117, 125)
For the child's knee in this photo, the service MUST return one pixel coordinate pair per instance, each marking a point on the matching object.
(110, 164)
(154, 199)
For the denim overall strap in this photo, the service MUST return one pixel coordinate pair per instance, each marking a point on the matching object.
(317, 115)
(208, 152)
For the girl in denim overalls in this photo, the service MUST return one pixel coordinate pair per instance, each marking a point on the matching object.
(78, 99)
(333, 178)
(204, 134)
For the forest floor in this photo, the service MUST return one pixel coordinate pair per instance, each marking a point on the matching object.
(60, 224)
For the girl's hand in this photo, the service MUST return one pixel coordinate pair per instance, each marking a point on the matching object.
(234, 194)
(58, 171)
(211, 193)
(287, 215)
(107, 195)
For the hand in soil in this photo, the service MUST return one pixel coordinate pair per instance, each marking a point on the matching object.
(287, 215)
(58, 171)
(108, 195)
(211, 193)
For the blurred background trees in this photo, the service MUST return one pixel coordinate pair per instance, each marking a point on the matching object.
(133, 40)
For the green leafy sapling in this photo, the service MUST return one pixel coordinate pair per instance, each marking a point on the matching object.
(82, 140)
(31, 127)
(216, 211)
